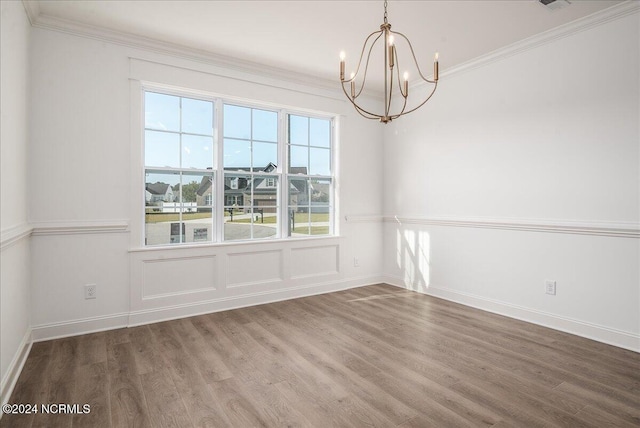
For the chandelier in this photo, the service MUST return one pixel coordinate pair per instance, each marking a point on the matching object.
(392, 109)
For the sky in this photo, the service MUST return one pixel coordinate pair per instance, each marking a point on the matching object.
(179, 134)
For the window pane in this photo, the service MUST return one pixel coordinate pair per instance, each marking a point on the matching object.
(320, 207)
(197, 152)
(298, 130)
(265, 221)
(161, 112)
(320, 162)
(197, 190)
(198, 225)
(298, 200)
(237, 154)
(263, 155)
(300, 223)
(237, 210)
(320, 132)
(197, 116)
(298, 160)
(265, 125)
(157, 232)
(298, 193)
(161, 149)
(161, 187)
(264, 191)
(320, 192)
(237, 191)
(161, 208)
(237, 122)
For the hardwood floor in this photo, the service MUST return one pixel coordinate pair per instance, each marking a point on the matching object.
(371, 356)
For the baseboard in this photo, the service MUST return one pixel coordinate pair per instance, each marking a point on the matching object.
(15, 368)
(595, 332)
(91, 325)
(78, 327)
(235, 302)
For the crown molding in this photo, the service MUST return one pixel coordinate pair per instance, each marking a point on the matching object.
(33, 10)
(612, 13)
(75, 28)
(40, 20)
(599, 228)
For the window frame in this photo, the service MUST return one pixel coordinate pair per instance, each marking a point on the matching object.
(181, 170)
(280, 175)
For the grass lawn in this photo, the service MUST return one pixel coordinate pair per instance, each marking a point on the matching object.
(315, 230)
(298, 218)
(268, 219)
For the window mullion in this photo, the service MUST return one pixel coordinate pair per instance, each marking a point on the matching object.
(219, 171)
(283, 179)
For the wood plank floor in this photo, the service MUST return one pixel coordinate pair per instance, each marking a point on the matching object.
(371, 356)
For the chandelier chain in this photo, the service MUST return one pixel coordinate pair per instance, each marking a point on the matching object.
(385, 11)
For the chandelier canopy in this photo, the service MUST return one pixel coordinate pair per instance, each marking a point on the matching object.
(392, 108)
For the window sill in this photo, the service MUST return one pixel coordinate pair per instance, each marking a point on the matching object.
(192, 246)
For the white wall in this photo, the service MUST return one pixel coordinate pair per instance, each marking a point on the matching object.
(86, 201)
(14, 263)
(505, 157)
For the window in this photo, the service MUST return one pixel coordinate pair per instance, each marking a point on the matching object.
(179, 180)
(257, 180)
(310, 180)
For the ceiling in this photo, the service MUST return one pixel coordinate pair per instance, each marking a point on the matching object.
(306, 36)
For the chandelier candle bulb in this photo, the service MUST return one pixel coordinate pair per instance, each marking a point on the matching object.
(406, 83)
(435, 68)
(391, 52)
(353, 85)
(342, 55)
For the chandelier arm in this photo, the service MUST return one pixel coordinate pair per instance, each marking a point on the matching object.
(401, 111)
(425, 101)
(398, 74)
(364, 47)
(359, 109)
(366, 67)
(388, 101)
(415, 60)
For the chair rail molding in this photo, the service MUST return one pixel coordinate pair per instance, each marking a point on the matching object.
(13, 234)
(80, 227)
(596, 228)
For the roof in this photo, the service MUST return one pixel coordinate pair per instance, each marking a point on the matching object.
(157, 188)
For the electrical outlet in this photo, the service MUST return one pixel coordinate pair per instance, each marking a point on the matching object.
(550, 287)
(356, 262)
(90, 291)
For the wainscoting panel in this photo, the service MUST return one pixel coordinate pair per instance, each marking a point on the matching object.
(165, 277)
(256, 267)
(307, 262)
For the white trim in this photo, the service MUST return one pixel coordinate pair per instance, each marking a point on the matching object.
(147, 316)
(231, 64)
(597, 228)
(14, 234)
(39, 20)
(15, 368)
(77, 327)
(364, 218)
(80, 227)
(32, 8)
(592, 331)
(601, 17)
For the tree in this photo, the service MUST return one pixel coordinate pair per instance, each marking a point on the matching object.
(188, 191)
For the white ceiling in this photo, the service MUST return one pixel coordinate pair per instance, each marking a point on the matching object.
(306, 36)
